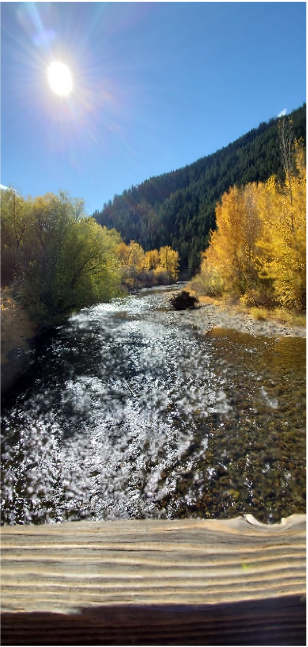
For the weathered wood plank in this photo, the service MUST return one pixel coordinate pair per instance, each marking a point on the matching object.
(99, 577)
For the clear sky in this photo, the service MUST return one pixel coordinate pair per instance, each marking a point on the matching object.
(156, 86)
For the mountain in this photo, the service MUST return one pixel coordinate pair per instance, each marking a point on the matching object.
(178, 208)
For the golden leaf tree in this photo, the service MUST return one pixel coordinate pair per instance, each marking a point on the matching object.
(169, 262)
(232, 250)
(282, 244)
(259, 247)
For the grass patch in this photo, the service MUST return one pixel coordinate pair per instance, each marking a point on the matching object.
(260, 314)
(279, 315)
(289, 317)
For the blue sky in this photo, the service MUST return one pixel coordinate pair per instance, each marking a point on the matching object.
(156, 86)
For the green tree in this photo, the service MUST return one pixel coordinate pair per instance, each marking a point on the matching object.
(65, 261)
(15, 220)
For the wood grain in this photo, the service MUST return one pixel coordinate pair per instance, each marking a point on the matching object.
(119, 580)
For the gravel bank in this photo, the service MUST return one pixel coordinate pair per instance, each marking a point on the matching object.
(207, 317)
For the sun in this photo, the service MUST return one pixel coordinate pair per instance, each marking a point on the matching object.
(60, 78)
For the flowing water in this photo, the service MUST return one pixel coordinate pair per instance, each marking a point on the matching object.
(128, 411)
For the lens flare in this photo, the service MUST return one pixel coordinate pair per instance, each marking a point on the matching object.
(60, 78)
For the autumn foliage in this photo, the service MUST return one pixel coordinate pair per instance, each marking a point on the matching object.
(258, 250)
(141, 268)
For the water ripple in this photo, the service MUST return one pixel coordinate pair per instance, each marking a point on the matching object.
(130, 413)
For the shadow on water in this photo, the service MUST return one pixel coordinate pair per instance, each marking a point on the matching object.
(127, 415)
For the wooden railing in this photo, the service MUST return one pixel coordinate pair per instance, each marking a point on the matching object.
(151, 582)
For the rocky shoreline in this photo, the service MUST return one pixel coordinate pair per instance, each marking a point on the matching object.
(207, 317)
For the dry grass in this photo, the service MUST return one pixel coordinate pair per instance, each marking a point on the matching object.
(260, 314)
(279, 315)
(207, 301)
(289, 317)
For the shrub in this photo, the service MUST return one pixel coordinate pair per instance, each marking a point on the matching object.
(183, 301)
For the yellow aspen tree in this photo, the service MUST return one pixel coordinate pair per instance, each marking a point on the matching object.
(151, 259)
(282, 244)
(211, 275)
(227, 246)
(287, 150)
(299, 217)
(123, 253)
(230, 262)
(169, 261)
(251, 226)
(133, 262)
(136, 256)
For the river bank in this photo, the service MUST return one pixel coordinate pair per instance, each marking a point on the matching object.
(209, 315)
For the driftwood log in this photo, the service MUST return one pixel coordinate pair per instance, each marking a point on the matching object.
(151, 582)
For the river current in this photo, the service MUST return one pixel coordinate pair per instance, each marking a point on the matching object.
(129, 412)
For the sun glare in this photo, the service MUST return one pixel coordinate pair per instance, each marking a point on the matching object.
(60, 78)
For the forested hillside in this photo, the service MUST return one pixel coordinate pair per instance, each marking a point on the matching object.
(178, 208)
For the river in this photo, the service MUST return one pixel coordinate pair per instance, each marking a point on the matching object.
(128, 411)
